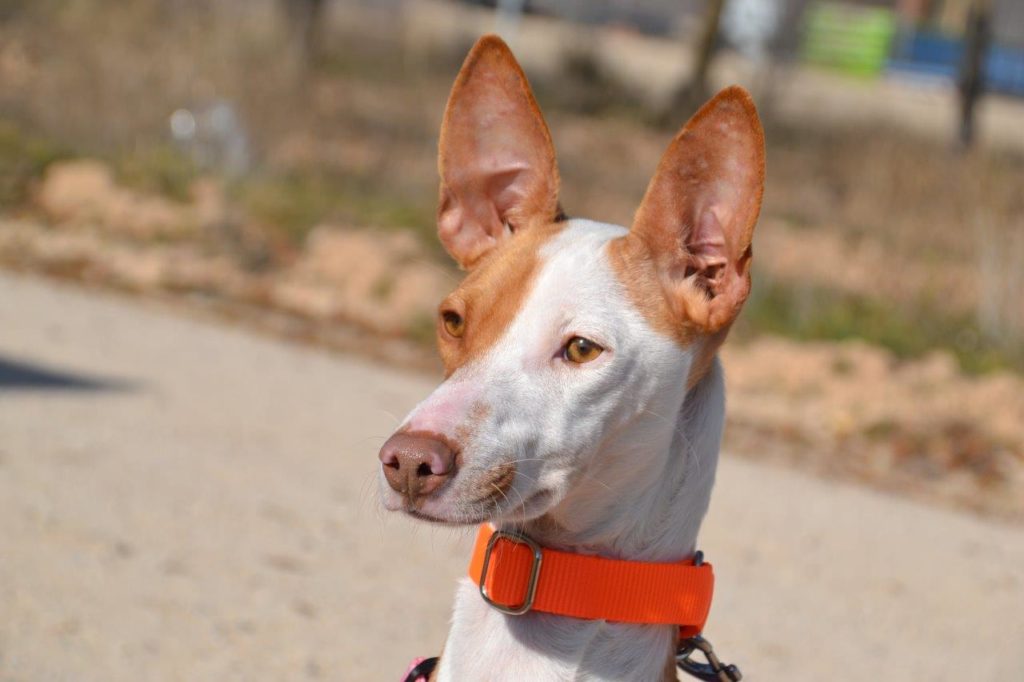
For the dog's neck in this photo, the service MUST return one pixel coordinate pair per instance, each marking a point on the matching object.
(654, 515)
(623, 509)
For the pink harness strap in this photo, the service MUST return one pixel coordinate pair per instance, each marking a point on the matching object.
(418, 672)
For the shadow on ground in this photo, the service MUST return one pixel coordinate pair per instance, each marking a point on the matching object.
(18, 375)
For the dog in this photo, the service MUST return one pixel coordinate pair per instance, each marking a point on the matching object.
(583, 400)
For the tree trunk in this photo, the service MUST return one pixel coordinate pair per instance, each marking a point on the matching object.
(692, 93)
(303, 17)
(972, 67)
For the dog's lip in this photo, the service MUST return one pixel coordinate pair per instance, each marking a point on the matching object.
(522, 510)
(417, 514)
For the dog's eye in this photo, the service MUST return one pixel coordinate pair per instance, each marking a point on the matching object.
(580, 350)
(453, 323)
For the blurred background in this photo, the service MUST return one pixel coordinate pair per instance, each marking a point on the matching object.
(272, 162)
(276, 159)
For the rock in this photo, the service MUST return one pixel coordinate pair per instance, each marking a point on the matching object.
(380, 280)
(304, 298)
(83, 192)
(75, 190)
(141, 270)
(351, 260)
(418, 290)
(209, 203)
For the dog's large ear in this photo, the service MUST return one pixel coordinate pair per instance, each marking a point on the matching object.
(497, 163)
(698, 215)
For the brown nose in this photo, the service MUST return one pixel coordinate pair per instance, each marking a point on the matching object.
(416, 465)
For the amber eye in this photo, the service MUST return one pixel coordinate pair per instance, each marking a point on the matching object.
(580, 350)
(453, 323)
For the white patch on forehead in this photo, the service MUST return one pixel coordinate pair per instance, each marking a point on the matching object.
(582, 233)
(575, 292)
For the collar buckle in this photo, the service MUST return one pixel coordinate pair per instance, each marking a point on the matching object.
(531, 586)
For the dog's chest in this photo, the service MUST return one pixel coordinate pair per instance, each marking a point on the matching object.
(485, 644)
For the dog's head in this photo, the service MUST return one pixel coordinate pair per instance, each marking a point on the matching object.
(568, 335)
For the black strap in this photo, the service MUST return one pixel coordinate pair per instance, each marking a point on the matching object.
(422, 669)
(712, 671)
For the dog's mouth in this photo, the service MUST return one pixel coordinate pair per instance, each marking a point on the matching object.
(532, 507)
(417, 514)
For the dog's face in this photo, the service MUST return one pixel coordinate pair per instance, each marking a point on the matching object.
(567, 335)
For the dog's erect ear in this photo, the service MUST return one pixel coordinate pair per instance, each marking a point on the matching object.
(497, 163)
(700, 209)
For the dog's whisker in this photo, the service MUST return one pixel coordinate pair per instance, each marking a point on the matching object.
(392, 415)
(367, 488)
(527, 477)
(519, 524)
(500, 492)
(377, 438)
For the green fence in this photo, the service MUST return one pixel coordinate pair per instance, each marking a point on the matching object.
(849, 38)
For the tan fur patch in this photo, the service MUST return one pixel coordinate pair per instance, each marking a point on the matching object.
(716, 161)
(705, 356)
(636, 267)
(497, 486)
(492, 294)
(477, 413)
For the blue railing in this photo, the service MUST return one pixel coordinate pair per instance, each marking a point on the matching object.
(938, 55)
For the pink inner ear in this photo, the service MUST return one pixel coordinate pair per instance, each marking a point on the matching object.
(508, 189)
(706, 245)
(698, 215)
(467, 228)
(496, 159)
(473, 222)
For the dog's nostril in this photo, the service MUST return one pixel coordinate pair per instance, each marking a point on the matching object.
(416, 465)
(389, 458)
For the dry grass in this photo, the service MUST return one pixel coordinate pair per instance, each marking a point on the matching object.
(936, 236)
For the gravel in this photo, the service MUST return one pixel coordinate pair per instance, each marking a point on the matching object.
(180, 500)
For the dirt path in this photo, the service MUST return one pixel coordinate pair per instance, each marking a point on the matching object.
(182, 501)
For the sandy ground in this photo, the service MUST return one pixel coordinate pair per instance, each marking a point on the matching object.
(184, 501)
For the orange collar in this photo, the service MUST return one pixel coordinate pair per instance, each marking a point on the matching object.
(516, 575)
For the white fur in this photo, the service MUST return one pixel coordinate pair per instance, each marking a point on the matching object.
(615, 453)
